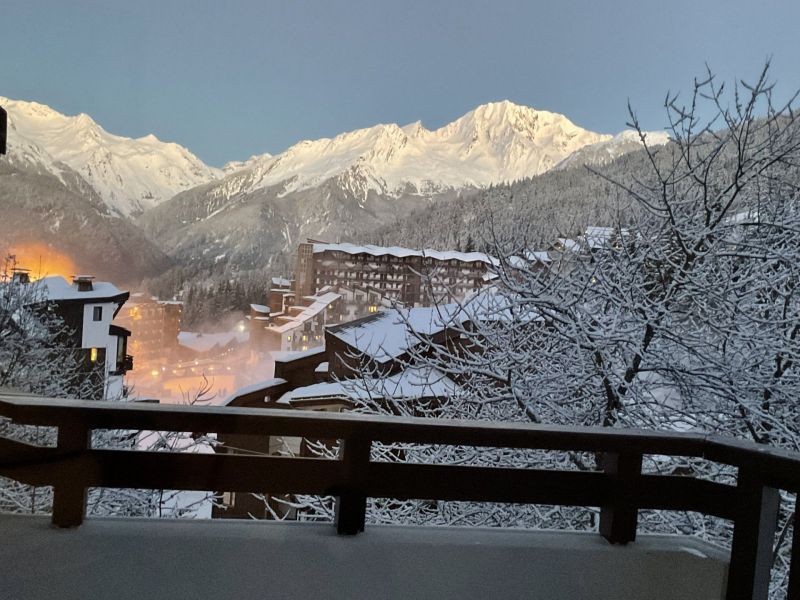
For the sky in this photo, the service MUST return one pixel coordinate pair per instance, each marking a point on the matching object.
(236, 78)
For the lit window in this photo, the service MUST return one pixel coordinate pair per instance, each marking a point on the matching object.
(93, 354)
(288, 338)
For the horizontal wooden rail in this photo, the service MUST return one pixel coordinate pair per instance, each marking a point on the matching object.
(257, 421)
(620, 490)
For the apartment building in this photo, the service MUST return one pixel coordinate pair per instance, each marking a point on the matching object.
(154, 325)
(411, 277)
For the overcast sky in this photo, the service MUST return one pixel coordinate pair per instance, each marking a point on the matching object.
(229, 79)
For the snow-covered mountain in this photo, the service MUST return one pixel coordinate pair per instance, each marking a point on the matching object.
(358, 181)
(130, 175)
(496, 142)
(253, 212)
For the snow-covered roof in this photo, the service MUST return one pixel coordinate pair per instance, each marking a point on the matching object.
(538, 256)
(252, 389)
(524, 261)
(58, 288)
(143, 298)
(203, 342)
(569, 244)
(290, 355)
(405, 252)
(597, 237)
(413, 382)
(494, 304)
(305, 313)
(281, 282)
(259, 308)
(386, 335)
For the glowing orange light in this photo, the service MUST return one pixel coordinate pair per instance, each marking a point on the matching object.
(93, 355)
(42, 260)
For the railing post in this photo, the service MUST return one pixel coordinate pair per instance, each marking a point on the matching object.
(618, 519)
(69, 492)
(351, 504)
(793, 591)
(754, 526)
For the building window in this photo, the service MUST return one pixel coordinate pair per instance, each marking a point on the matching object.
(372, 308)
(97, 313)
(93, 354)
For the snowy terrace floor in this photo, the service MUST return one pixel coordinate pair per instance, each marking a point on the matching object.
(147, 559)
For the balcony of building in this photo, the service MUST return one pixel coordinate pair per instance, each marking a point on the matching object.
(70, 556)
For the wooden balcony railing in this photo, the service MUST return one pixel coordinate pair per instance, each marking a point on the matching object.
(620, 491)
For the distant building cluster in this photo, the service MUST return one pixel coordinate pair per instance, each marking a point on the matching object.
(337, 283)
(338, 331)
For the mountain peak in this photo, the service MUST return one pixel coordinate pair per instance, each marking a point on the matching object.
(415, 129)
(84, 120)
(130, 175)
(504, 122)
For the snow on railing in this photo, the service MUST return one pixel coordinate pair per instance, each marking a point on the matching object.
(620, 490)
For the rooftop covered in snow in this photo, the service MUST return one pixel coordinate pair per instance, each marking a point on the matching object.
(409, 384)
(56, 288)
(406, 252)
(288, 322)
(387, 335)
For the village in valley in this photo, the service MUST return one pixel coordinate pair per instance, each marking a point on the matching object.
(348, 323)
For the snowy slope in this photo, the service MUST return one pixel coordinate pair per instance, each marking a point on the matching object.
(494, 143)
(130, 175)
(604, 152)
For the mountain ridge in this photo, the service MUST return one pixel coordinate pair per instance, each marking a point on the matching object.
(129, 174)
(494, 143)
